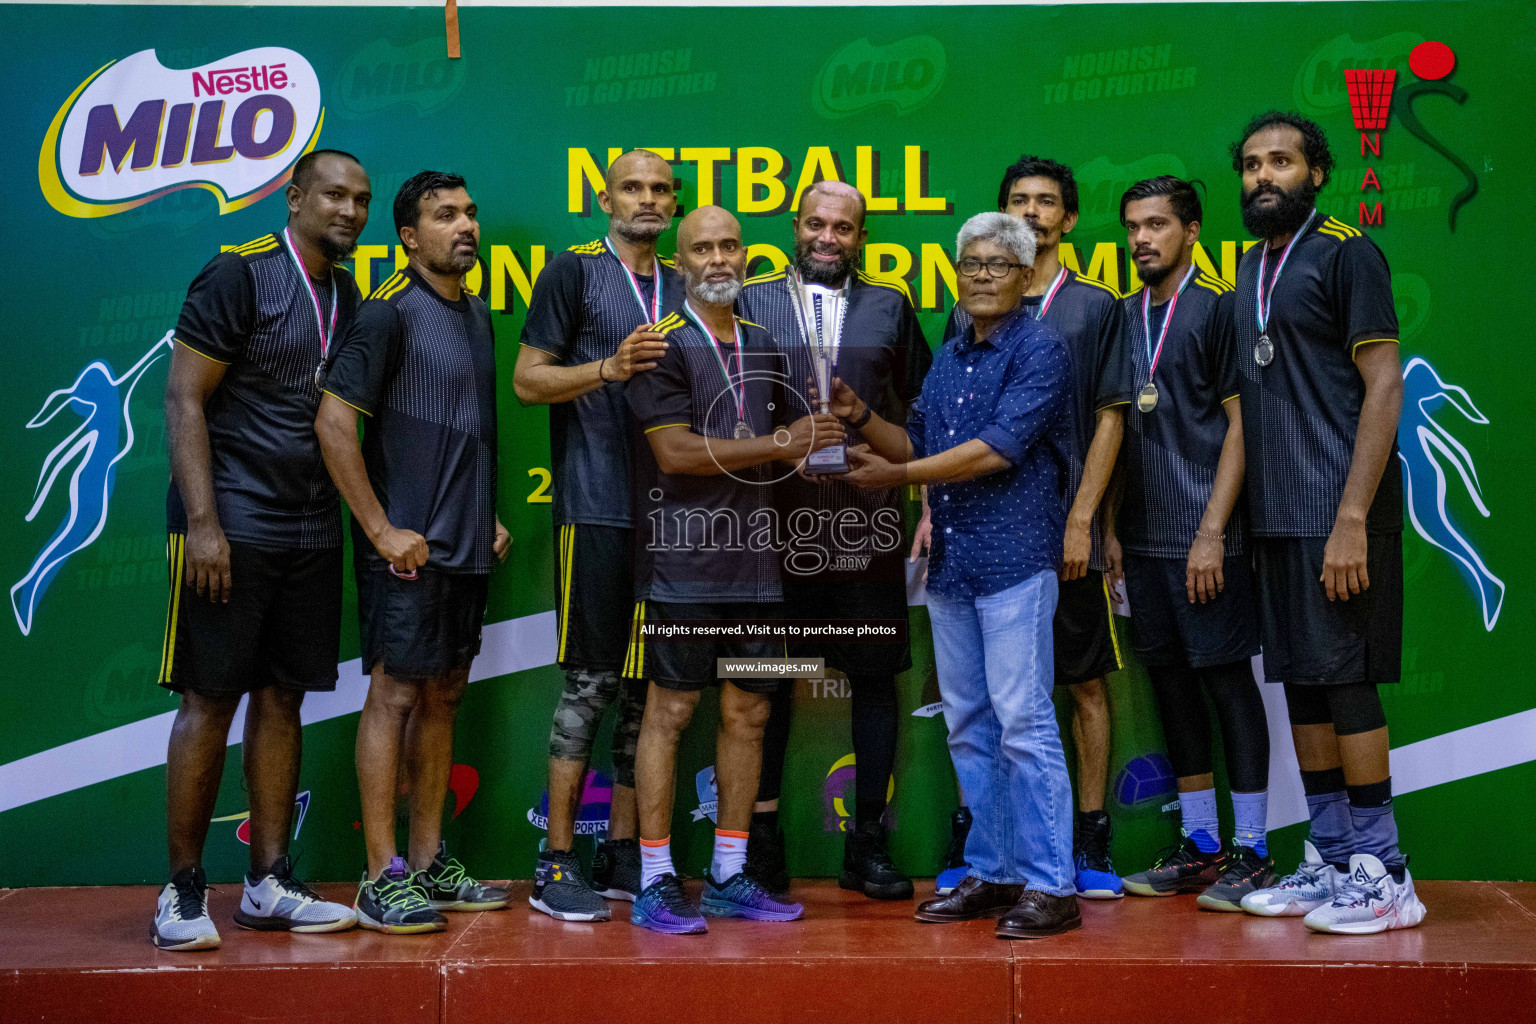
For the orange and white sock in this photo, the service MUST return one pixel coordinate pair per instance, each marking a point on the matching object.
(730, 855)
(655, 860)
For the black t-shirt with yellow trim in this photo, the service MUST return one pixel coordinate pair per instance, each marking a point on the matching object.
(703, 539)
(250, 310)
(1301, 412)
(1171, 453)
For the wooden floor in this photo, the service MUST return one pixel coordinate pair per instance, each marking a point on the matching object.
(84, 955)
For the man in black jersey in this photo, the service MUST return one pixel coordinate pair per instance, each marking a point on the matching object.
(847, 566)
(1182, 524)
(1322, 388)
(255, 542)
(589, 330)
(1086, 313)
(715, 424)
(419, 362)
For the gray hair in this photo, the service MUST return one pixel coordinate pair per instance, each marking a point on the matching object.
(1000, 229)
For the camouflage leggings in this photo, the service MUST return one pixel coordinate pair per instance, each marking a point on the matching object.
(583, 701)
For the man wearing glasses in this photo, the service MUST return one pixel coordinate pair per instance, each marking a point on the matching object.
(991, 434)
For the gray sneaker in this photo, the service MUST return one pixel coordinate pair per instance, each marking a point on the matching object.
(1243, 872)
(616, 869)
(562, 892)
(181, 914)
(449, 887)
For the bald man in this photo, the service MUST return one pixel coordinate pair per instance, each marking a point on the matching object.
(713, 430)
(846, 566)
(590, 331)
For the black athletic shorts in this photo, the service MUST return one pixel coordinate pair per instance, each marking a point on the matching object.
(1309, 639)
(814, 599)
(420, 628)
(690, 664)
(1086, 646)
(282, 625)
(1169, 630)
(594, 595)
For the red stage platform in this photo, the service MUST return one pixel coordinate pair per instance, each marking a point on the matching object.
(84, 955)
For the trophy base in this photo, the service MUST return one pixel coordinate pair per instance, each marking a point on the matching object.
(827, 461)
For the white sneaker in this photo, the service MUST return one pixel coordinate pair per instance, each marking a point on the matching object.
(181, 914)
(1313, 884)
(278, 902)
(1368, 901)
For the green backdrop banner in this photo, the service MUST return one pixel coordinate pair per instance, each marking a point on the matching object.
(157, 134)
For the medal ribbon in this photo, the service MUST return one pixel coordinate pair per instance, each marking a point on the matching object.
(1263, 308)
(1146, 321)
(634, 285)
(814, 337)
(1050, 293)
(739, 396)
(314, 297)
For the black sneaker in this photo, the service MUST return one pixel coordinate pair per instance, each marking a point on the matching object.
(1182, 868)
(765, 856)
(1243, 872)
(394, 904)
(867, 865)
(561, 891)
(1095, 875)
(450, 887)
(616, 869)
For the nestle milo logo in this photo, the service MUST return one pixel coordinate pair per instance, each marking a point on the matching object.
(905, 74)
(1320, 82)
(1101, 183)
(382, 74)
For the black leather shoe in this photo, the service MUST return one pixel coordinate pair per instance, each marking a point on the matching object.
(867, 865)
(765, 857)
(971, 899)
(1039, 914)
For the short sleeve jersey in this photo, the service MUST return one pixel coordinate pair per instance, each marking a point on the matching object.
(1301, 412)
(1172, 452)
(583, 307)
(1087, 315)
(250, 310)
(883, 357)
(702, 539)
(423, 370)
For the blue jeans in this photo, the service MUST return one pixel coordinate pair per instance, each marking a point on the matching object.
(996, 671)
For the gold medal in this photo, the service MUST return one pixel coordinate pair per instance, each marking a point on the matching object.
(1147, 400)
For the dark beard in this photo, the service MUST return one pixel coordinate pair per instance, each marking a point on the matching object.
(1154, 276)
(814, 271)
(1286, 216)
(636, 233)
(334, 251)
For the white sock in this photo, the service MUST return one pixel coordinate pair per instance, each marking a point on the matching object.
(730, 855)
(655, 860)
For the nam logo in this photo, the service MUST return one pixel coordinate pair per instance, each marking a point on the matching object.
(905, 74)
(836, 794)
(709, 795)
(243, 830)
(592, 817)
(135, 131)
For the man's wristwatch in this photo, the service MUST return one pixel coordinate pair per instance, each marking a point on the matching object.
(859, 423)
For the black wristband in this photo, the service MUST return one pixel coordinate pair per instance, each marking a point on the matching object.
(869, 411)
(600, 376)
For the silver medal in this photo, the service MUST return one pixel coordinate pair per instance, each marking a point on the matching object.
(320, 375)
(1264, 351)
(1147, 400)
(743, 432)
